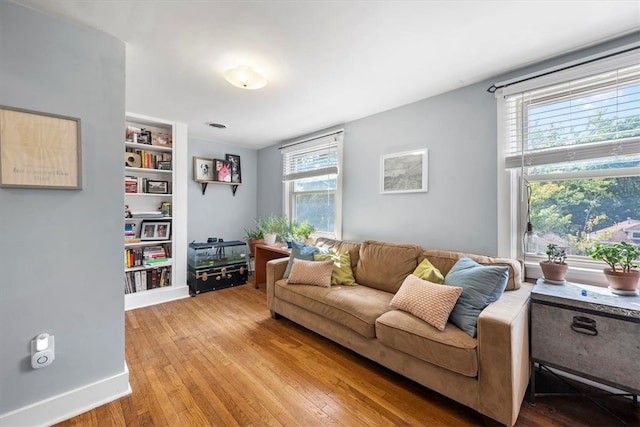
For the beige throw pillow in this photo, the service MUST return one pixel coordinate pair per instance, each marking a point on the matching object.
(316, 273)
(429, 301)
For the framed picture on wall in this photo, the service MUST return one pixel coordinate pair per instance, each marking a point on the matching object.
(202, 169)
(404, 172)
(39, 150)
(236, 174)
(222, 171)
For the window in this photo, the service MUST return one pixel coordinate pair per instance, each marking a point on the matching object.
(312, 183)
(571, 144)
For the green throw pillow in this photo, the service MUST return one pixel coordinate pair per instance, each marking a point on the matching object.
(426, 271)
(342, 274)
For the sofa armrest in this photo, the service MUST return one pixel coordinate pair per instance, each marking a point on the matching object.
(275, 271)
(503, 349)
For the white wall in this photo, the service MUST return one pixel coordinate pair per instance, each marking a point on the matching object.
(61, 250)
(218, 213)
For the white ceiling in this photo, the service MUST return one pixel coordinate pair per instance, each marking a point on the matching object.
(327, 62)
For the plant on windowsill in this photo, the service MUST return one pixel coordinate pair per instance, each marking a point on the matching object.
(294, 232)
(622, 275)
(554, 269)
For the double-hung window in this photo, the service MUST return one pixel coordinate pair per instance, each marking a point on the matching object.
(313, 183)
(571, 148)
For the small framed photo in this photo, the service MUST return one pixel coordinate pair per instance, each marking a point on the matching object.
(157, 187)
(404, 172)
(155, 230)
(222, 171)
(164, 165)
(202, 169)
(236, 174)
(161, 139)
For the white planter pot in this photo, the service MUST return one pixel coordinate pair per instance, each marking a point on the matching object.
(270, 238)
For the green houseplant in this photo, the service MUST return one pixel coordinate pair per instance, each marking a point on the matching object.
(622, 275)
(554, 268)
(254, 236)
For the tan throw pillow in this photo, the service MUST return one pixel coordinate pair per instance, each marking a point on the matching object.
(429, 301)
(316, 273)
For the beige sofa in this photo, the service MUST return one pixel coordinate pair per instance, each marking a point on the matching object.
(488, 373)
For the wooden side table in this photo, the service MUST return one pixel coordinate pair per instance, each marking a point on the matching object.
(263, 254)
(586, 331)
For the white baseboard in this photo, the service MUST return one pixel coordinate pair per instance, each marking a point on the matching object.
(67, 405)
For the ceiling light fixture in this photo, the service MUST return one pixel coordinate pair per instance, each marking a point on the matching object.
(245, 77)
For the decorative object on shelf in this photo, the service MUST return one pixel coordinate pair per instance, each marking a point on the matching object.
(164, 165)
(222, 170)
(157, 187)
(155, 230)
(202, 169)
(165, 208)
(132, 160)
(554, 269)
(245, 77)
(161, 139)
(404, 172)
(39, 150)
(236, 174)
(622, 275)
(127, 211)
(144, 137)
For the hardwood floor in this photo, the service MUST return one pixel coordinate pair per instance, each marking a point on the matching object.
(220, 360)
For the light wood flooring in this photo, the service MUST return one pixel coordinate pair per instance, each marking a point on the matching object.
(218, 359)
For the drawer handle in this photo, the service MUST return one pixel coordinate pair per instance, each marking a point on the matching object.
(584, 325)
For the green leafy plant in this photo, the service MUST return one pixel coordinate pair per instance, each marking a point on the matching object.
(555, 254)
(620, 254)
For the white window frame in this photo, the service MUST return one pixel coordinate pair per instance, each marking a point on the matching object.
(511, 185)
(289, 192)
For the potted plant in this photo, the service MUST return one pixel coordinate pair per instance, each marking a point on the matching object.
(622, 275)
(254, 236)
(292, 231)
(554, 269)
(272, 227)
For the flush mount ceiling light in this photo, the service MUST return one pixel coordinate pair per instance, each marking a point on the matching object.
(245, 77)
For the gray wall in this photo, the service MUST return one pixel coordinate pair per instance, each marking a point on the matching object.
(61, 250)
(459, 128)
(218, 213)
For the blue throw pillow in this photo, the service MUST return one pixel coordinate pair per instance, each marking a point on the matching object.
(481, 285)
(299, 251)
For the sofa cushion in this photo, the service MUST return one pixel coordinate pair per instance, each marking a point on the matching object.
(339, 246)
(299, 251)
(445, 260)
(481, 285)
(429, 301)
(427, 271)
(384, 266)
(451, 348)
(355, 307)
(341, 274)
(311, 272)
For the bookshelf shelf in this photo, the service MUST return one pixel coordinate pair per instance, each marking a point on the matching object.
(149, 284)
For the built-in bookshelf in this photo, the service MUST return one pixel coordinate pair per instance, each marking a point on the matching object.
(155, 244)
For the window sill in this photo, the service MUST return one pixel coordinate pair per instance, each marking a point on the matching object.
(576, 273)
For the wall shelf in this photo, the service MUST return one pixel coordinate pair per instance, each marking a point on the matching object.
(234, 185)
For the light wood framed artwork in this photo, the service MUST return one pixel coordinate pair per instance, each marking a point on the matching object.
(404, 172)
(39, 150)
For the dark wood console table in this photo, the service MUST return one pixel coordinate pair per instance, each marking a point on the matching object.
(266, 253)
